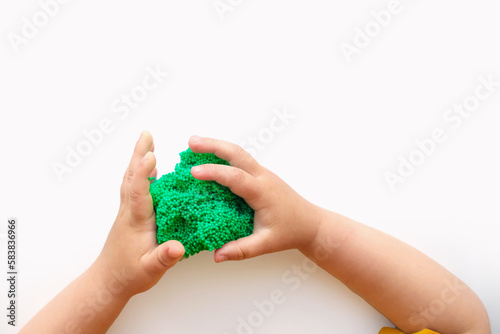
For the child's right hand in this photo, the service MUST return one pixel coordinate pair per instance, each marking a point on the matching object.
(283, 219)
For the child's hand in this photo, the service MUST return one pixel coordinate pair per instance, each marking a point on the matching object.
(283, 219)
(131, 249)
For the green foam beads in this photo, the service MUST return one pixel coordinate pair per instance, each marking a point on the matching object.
(202, 215)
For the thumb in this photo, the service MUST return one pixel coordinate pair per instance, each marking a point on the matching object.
(241, 249)
(164, 257)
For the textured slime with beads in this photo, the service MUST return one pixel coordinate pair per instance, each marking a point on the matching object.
(202, 215)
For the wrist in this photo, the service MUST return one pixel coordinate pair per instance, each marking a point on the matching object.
(311, 225)
(332, 231)
(113, 283)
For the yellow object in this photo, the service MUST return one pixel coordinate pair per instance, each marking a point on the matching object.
(387, 330)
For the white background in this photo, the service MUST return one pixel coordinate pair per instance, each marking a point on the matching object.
(352, 121)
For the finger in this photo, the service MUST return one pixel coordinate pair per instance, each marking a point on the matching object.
(144, 145)
(232, 153)
(140, 199)
(241, 249)
(154, 173)
(240, 182)
(164, 257)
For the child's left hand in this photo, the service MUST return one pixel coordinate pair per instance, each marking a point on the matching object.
(130, 262)
(131, 249)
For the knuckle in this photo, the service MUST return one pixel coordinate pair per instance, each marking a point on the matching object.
(222, 176)
(162, 261)
(238, 176)
(255, 191)
(240, 253)
(238, 151)
(134, 195)
(127, 178)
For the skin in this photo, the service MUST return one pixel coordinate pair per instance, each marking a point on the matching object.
(131, 261)
(406, 286)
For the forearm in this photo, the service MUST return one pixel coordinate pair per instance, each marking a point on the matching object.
(89, 304)
(406, 286)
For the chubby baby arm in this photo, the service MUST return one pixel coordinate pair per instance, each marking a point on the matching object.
(396, 279)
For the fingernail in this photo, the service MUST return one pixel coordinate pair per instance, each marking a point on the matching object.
(196, 169)
(221, 258)
(195, 138)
